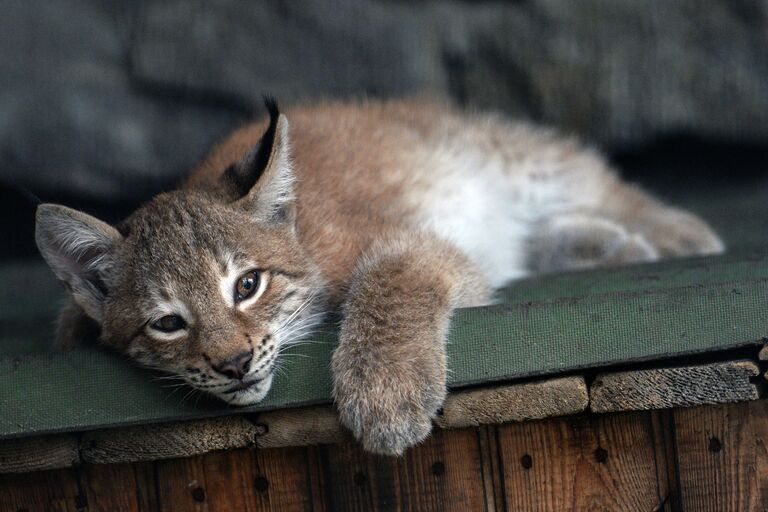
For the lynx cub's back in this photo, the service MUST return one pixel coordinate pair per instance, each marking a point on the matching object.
(393, 212)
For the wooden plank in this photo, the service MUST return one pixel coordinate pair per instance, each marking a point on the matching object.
(681, 386)
(49, 491)
(229, 480)
(167, 440)
(111, 487)
(493, 482)
(514, 402)
(588, 463)
(38, 453)
(181, 485)
(237, 480)
(145, 476)
(317, 481)
(722, 455)
(282, 480)
(444, 473)
(662, 428)
(299, 427)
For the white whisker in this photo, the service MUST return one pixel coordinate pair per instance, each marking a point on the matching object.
(299, 309)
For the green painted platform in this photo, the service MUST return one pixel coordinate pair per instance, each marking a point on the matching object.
(543, 326)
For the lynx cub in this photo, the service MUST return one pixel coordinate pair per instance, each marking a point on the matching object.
(393, 213)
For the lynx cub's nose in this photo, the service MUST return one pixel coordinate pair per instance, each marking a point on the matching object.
(236, 367)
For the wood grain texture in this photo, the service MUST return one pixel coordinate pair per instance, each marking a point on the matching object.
(682, 386)
(444, 473)
(38, 453)
(712, 458)
(145, 476)
(177, 484)
(596, 464)
(493, 480)
(299, 427)
(514, 402)
(167, 440)
(110, 487)
(44, 491)
(282, 480)
(662, 428)
(238, 481)
(722, 455)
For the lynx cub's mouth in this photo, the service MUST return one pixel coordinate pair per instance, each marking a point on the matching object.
(248, 393)
(246, 378)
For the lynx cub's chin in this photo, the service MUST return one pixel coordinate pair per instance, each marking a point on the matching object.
(391, 213)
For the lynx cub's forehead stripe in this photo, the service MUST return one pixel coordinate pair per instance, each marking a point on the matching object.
(230, 271)
(167, 302)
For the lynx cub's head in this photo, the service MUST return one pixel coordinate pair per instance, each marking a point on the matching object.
(209, 285)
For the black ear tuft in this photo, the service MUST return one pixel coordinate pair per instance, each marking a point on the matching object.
(271, 103)
(244, 175)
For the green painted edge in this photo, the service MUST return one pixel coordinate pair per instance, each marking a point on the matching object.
(90, 389)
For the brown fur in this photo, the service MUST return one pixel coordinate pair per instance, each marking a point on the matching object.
(343, 211)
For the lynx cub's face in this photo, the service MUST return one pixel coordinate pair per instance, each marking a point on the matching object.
(207, 285)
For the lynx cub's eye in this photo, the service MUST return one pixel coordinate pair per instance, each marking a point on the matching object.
(169, 323)
(247, 285)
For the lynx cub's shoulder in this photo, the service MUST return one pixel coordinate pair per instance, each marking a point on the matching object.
(394, 213)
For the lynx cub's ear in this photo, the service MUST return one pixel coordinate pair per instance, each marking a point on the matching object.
(79, 250)
(262, 182)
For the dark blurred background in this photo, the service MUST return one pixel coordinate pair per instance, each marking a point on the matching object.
(103, 104)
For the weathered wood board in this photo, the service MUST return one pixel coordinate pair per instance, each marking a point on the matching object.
(582, 463)
(722, 457)
(679, 386)
(514, 402)
(711, 458)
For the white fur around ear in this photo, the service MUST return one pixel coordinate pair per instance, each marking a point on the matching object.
(79, 250)
(271, 199)
(262, 182)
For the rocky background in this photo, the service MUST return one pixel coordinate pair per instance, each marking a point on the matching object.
(104, 103)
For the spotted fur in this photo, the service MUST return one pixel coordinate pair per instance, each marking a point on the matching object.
(394, 213)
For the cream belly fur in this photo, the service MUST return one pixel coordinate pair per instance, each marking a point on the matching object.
(489, 207)
(470, 207)
(489, 195)
(394, 213)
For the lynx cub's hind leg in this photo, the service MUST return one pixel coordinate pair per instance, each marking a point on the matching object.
(623, 225)
(672, 232)
(578, 241)
(389, 369)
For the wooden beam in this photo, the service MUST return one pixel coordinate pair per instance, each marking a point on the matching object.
(585, 463)
(168, 440)
(721, 457)
(38, 453)
(514, 402)
(683, 386)
(299, 427)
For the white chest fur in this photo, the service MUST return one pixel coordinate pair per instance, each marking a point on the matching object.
(479, 209)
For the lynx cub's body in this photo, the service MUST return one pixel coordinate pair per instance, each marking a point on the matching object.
(393, 212)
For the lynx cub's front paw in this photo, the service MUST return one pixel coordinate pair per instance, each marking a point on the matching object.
(387, 404)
